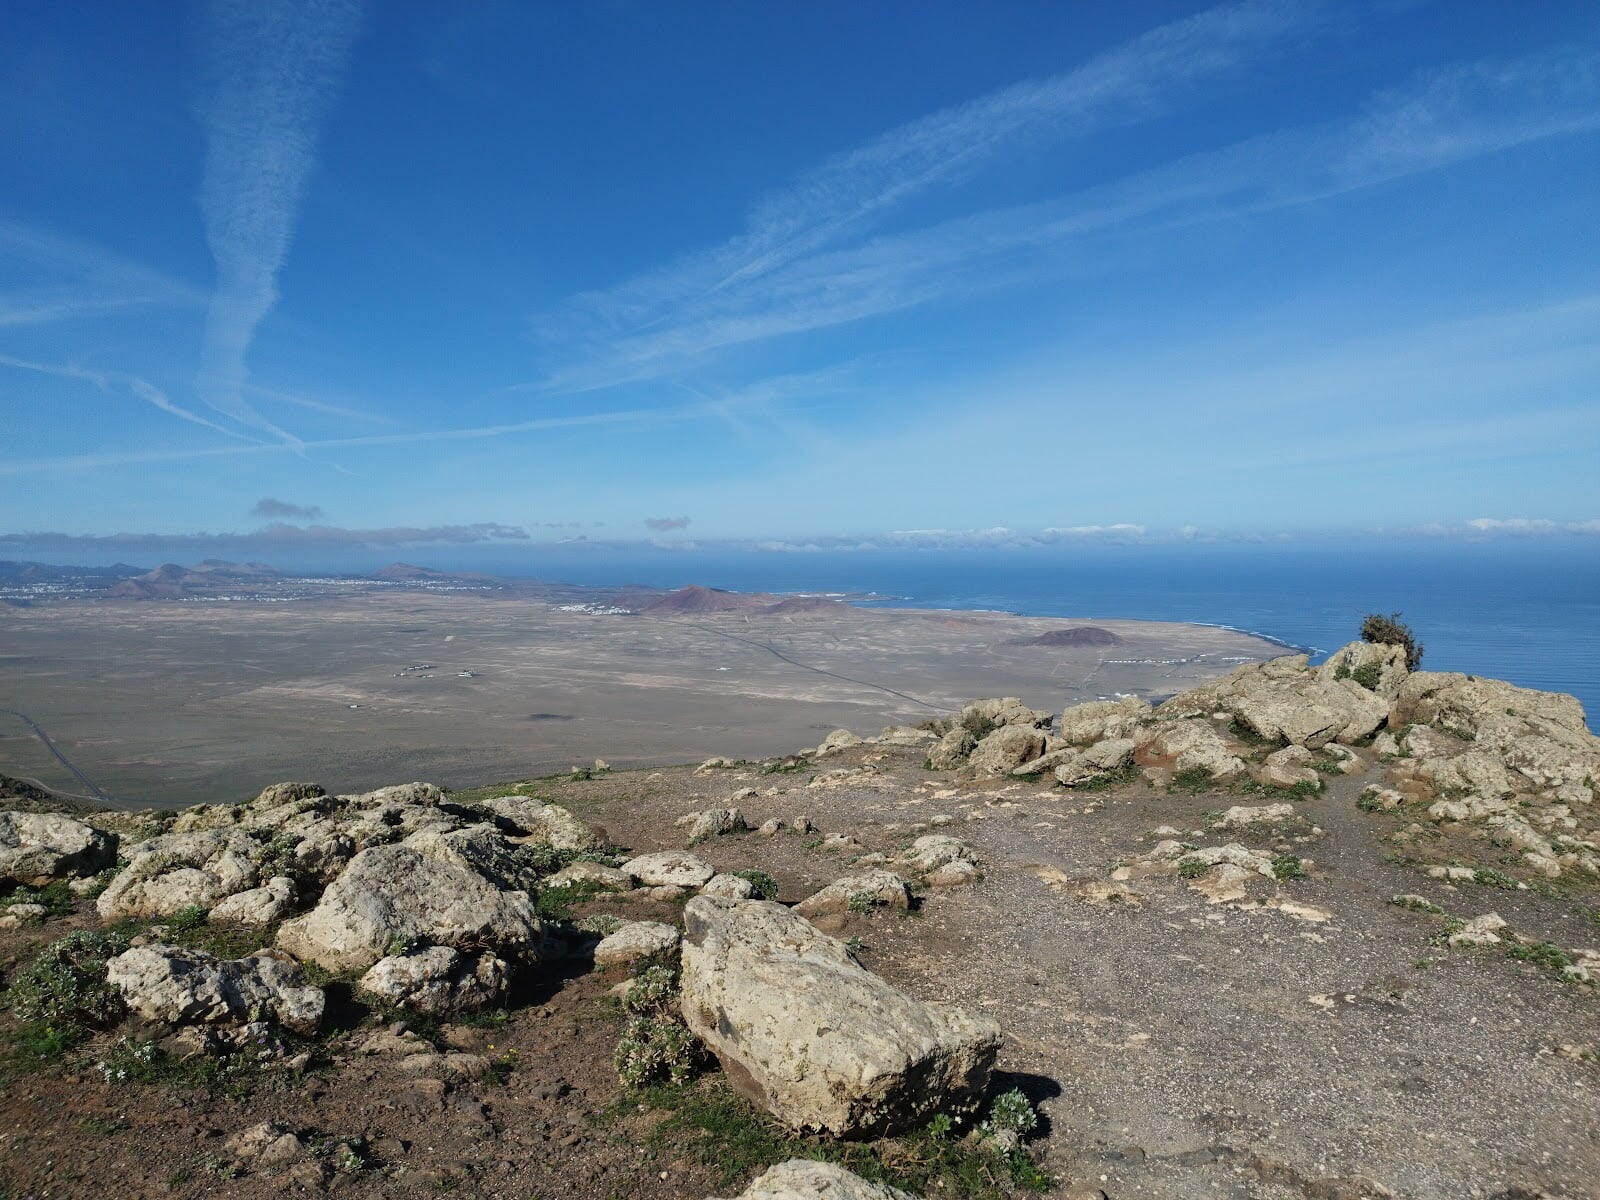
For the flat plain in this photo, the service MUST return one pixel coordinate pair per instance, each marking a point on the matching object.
(169, 703)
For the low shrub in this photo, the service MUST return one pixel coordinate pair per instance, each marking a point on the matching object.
(1392, 631)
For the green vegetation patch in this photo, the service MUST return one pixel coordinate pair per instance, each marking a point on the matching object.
(711, 1126)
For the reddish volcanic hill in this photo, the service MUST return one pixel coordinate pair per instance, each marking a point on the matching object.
(1078, 635)
(697, 599)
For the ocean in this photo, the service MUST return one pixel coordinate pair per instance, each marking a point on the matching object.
(1527, 610)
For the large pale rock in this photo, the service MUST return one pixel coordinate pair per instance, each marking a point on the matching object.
(395, 894)
(824, 1045)
(805, 1179)
(38, 848)
(550, 824)
(710, 823)
(729, 887)
(981, 717)
(591, 874)
(1090, 762)
(861, 891)
(1285, 701)
(1459, 704)
(482, 849)
(189, 987)
(176, 871)
(674, 868)
(839, 739)
(1381, 668)
(636, 940)
(932, 851)
(1193, 745)
(1005, 749)
(952, 749)
(1288, 768)
(1084, 724)
(258, 906)
(439, 981)
(276, 794)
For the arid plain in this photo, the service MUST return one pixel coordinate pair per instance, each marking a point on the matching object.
(168, 703)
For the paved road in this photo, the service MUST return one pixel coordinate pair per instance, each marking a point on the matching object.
(66, 762)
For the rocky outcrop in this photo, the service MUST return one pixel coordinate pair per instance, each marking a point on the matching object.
(176, 986)
(176, 871)
(438, 981)
(1085, 724)
(550, 824)
(395, 895)
(821, 1043)
(1285, 701)
(1006, 748)
(952, 749)
(805, 1179)
(38, 848)
(1191, 745)
(982, 717)
(1081, 765)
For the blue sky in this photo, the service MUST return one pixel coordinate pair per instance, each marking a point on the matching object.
(794, 276)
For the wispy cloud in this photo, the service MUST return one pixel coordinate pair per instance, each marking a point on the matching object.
(851, 190)
(267, 506)
(109, 381)
(269, 537)
(272, 68)
(1441, 119)
(666, 524)
(63, 278)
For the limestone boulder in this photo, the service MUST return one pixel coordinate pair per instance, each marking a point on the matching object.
(1286, 702)
(670, 868)
(591, 874)
(981, 717)
(392, 895)
(1287, 768)
(438, 981)
(710, 823)
(839, 739)
(1378, 668)
(1459, 704)
(636, 940)
(1084, 724)
(176, 871)
(729, 887)
(932, 851)
(805, 1179)
(822, 1044)
(861, 892)
(550, 824)
(259, 906)
(483, 850)
(39, 848)
(1193, 745)
(1080, 765)
(1007, 748)
(951, 750)
(177, 986)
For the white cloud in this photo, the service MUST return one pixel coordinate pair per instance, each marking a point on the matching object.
(272, 67)
(1531, 526)
(106, 381)
(1443, 117)
(849, 192)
